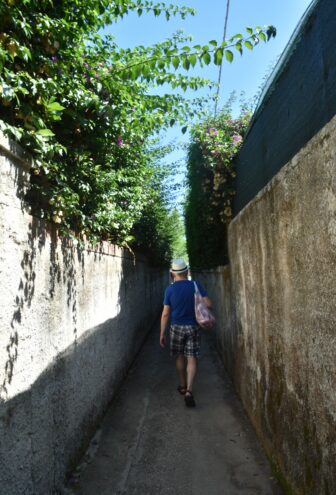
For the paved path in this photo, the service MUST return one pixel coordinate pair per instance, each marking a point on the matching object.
(151, 444)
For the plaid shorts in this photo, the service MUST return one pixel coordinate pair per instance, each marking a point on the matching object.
(185, 339)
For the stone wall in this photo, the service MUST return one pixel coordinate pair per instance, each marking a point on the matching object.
(72, 321)
(277, 318)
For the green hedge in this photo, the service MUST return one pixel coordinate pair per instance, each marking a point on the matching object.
(211, 187)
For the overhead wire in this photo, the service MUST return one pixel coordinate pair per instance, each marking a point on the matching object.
(221, 65)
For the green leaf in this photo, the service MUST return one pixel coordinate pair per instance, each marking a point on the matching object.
(186, 63)
(228, 55)
(213, 42)
(129, 238)
(218, 57)
(145, 70)
(262, 36)
(24, 91)
(45, 133)
(238, 47)
(248, 45)
(55, 107)
(193, 59)
(161, 64)
(175, 62)
(271, 32)
(152, 64)
(136, 71)
(249, 30)
(206, 58)
(184, 129)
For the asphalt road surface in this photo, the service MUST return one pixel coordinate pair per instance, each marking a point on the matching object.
(150, 443)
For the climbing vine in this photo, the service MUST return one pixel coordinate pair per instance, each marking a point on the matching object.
(81, 106)
(211, 172)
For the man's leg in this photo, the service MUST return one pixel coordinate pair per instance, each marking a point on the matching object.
(191, 372)
(192, 352)
(181, 370)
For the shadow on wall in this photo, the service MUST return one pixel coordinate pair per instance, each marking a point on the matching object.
(217, 282)
(47, 428)
(25, 294)
(59, 271)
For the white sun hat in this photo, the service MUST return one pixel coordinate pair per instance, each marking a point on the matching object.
(179, 266)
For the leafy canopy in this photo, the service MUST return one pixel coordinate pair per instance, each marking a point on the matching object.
(82, 106)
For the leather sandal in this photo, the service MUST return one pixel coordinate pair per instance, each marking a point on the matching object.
(181, 390)
(189, 399)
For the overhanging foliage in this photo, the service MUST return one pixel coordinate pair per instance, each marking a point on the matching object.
(81, 105)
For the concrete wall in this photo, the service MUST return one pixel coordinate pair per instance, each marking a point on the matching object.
(277, 318)
(217, 282)
(71, 322)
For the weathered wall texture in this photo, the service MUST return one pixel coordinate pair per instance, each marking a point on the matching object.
(278, 302)
(71, 322)
(217, 283)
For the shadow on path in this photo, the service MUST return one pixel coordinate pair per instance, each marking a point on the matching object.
(150, 443)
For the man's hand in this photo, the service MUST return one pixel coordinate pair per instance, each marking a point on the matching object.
(162, 340)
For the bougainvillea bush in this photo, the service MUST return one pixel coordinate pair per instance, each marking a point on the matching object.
(83, 108)
(211, 173)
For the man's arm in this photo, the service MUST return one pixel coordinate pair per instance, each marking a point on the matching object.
(206, 299)
(164, 323)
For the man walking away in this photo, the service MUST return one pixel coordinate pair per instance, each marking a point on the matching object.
(179, 306)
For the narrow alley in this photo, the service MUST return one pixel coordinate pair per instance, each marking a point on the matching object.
(123, 150)
(150, 443)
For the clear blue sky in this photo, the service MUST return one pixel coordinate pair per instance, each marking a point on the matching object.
(246, 73)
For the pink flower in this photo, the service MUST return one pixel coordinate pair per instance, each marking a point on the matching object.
(212, 130)
(120, 141)
(236, 138)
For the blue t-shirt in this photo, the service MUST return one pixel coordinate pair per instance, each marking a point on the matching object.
(180, 297)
